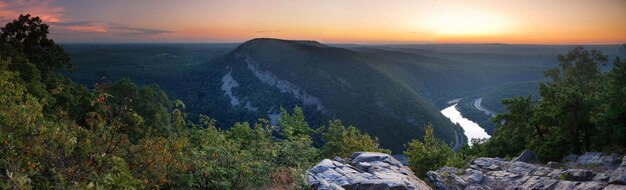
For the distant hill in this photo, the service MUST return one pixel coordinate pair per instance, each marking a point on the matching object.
(389, 91)
(263, 74)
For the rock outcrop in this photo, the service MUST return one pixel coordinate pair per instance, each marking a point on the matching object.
(527, 156)
(588, 171)
(364, 170)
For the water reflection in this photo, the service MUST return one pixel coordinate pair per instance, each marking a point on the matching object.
(472, 130)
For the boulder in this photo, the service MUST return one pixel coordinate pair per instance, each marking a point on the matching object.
(364, 170)
(593, 160)
(615, 187)
(554, 165)
(527, 156)
(590, 158)
(578, 175)
(595, 172)
(618, 176)
(611, 161)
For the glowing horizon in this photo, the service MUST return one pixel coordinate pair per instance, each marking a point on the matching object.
(351, 21)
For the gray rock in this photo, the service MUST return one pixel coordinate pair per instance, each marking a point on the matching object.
(611, 161)
(590, 158)
(566, 184)
(570, 158)
(618, 176)
(592, 185)
(495, 173)
(554, 165)
(601, 177)
(374, 156)
(527, 156)
(615, 187)
(578, 175)
(447, 174)
(537, 182)
(366, 170)
(474, 176)
(593, 160)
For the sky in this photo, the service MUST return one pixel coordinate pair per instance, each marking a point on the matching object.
(329, 21)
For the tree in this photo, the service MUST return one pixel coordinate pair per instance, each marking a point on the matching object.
(293, 125)
(429, 155)
(57, 134)
(611, 131)
(342, 141)
(29, 36)
(581, 109)
(572, 97)
(515, 129)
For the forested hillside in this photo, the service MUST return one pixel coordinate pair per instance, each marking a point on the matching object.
(581, 108)
(431, 74)
(329, 82)
(492, 100)
(57, 134)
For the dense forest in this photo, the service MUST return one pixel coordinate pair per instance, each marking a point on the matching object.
(580, 109)
(56, 133)
(392, 91)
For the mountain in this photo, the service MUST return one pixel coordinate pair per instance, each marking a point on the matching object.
(390, 91)
(261, 75)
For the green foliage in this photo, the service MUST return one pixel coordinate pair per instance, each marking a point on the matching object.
(56, 134)
(572, 98)
(343, 141)
(492, 100)
(28, 36)
(611, 130)
(431, 154)
(581, 109)
(293, 125)
(516, 128)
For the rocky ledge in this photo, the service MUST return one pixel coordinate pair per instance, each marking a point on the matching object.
(588, 171)
(363, 170)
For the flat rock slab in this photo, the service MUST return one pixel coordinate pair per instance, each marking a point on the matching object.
(604, 172)
(364, 170)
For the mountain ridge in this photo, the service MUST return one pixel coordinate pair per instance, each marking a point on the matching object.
(331, 82)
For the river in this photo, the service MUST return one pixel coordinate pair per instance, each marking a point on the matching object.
(472, 130)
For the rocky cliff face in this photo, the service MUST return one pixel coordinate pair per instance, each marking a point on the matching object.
(588, 171)
(364, 170)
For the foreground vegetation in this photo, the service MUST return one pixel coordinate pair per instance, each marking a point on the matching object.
(58, 134)
(581, 109)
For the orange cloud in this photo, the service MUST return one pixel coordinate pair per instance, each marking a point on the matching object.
(78, 28)
(44, 9)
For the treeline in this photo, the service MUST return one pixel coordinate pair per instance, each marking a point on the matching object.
(58, 134)
(580, 109)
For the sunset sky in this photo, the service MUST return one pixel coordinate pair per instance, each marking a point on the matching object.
(330, 21)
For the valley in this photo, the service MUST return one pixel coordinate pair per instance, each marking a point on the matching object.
(389, 91)
(318, 95)
(470, 128)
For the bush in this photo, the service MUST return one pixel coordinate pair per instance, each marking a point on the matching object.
(341, 141)
(432, 154)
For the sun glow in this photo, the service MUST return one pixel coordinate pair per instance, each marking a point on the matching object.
(347, 21)
(466, 22)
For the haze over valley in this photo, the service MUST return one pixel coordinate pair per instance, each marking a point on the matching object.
(320, 95)
(386, 90)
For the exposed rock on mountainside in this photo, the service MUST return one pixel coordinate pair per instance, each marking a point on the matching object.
(262, 75)
(588, 171)
(364, 170)
(284, 86)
